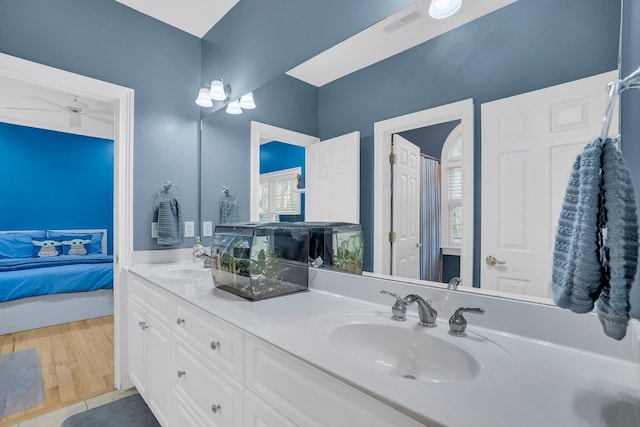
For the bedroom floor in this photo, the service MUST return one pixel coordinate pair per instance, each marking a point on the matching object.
(76, 360)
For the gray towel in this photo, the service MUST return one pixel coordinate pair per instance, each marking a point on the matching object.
(170, 225)
(596, 250)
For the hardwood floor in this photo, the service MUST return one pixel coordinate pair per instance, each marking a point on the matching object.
(76, 361)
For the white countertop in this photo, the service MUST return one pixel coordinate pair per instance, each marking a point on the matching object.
(544, 384)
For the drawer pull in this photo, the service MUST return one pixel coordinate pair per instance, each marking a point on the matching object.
(216, 408)
(181, 374)
(180, 321)
(215, 345)
(143, 325)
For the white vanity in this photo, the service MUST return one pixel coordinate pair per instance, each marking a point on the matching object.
(332, 356)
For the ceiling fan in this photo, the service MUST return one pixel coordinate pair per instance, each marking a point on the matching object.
(75, 108)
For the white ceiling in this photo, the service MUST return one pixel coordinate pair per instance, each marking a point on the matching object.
(195, 17)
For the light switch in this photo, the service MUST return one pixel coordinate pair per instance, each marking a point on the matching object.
(207, 229)
(154, 230)
(189, 229)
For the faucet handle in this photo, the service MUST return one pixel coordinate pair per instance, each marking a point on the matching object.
(457, 322)
(399, 309)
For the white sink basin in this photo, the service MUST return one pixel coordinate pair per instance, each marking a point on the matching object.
(405, 353)
(408, 351)
(183, 272)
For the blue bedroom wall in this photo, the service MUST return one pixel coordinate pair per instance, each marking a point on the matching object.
(55, 180)
(286, 102)
(501, 54)
(109, 41)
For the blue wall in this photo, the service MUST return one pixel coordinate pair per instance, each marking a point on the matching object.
(505, 53)
(55, 180)
(275, 156)
(111, 42)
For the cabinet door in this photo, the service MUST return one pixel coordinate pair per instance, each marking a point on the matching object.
(259, 414)
(159, 377)
(137, 353)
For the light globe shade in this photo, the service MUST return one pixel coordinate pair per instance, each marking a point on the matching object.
(217, 92)
(441, 9)
(234, 107)
(246, 102)
(203, 99)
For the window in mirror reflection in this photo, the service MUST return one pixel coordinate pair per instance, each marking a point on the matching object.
(452, 191)
(279, 194)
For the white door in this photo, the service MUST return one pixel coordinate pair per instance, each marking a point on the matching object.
(529, 144)
(332, 180)
(405, 250)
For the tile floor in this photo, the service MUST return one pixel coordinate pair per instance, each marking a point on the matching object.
(55, 418)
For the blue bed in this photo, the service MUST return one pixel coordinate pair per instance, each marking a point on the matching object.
(27, 277)
(45, 283)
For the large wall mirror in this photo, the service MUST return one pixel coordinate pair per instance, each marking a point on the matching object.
(505, 64)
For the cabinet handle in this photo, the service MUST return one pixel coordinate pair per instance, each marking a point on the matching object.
(215, 408)
(143, 325)
(179, 321)
(181, 374)
(215, 345)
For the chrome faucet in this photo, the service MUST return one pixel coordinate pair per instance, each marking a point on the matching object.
(427, 314)
(203, 255)
(457, 322)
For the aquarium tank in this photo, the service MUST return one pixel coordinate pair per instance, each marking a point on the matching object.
(260, 260)
(336, 246)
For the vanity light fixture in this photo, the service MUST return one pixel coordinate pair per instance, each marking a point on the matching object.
(204, 100)
(234, 107)
(440, 9)
(246, 102)
(219, 92)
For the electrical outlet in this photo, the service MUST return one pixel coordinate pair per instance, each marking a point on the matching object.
(207, 229)
(154, 230)
(189, 229)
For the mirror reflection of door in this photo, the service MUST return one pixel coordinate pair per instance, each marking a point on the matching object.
(426, 202)
(296, 177)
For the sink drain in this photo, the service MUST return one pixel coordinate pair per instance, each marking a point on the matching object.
(409, 377)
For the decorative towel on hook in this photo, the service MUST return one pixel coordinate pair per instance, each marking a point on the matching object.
(170, 225)
(228, 207)
(595, 257)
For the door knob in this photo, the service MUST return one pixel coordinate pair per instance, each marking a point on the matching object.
(491, 260)
(418, 245)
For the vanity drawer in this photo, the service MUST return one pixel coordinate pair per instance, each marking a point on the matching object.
(213, 397)
(159, 303)
(309, 397)
(215, 340)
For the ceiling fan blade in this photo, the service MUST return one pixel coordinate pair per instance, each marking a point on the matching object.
(31, 109)
(49, 102)
(98, 111)
(100, 119)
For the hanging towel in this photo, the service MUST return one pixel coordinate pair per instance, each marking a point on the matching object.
(596, 250)
(170, 225)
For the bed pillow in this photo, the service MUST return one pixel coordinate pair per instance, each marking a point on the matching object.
(44, 248)
(19, 245)
(94, 246)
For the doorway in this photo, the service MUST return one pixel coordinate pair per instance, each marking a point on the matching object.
(122, 98)
(383, 131)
